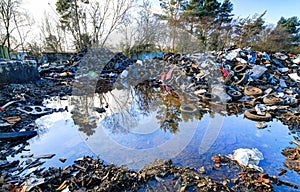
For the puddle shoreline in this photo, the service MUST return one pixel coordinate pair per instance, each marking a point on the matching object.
(229, 138)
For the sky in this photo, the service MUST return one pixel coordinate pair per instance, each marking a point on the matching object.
(37, 8)
(241, 8)
(275, 9)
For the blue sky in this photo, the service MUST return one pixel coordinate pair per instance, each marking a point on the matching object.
(275, 8)
(243, 8)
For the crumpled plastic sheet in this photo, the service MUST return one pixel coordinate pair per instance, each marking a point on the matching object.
(294, 77)
(220, 91)
(260, 109)
(242, 61)
(257, 71)
(31, 182)
(233, 54)
(297, 60)
(248, 157)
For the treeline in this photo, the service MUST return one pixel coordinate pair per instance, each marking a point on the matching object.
(130, 26)
(210, 25)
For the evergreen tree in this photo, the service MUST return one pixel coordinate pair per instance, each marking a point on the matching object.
(285, 36)
(248, 30)
(291, 25)
(72, 18)
(206, 19)
(172, 11)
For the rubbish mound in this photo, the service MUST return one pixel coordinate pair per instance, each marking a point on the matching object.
(259, 85)
(292, 161)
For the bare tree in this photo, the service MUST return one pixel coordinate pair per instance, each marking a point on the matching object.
(72, 18)
(52, 35)
(278, 39)
(23, 24)
(14, 19)
(127, 29)
(143, 30)
(7, 11)
(106, 17)
(35, 48)
(147, 26)
(91, 22)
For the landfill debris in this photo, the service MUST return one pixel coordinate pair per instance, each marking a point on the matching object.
(247, 157)
(35, 110)
(15, 71)
(17, 135)
(32, 183)
(257, 71)
(251, 177)
(261, 125)
(294, 77)
(4, 124)
(12, 120)
(292, 154)
(261, 86)
(45, 156)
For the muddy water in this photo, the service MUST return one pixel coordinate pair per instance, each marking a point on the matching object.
(129, 127)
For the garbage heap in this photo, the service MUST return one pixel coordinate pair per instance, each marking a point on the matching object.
(262, 86)
(15, 71)
(259, 85)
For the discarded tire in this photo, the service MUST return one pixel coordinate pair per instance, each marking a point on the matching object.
(235, 95)
(188, 108)
(253, 91)
(239, 68)
(252, 115)
(271, 100)
(207, 97)
(242, 79)
(166, 56)
(178, 57)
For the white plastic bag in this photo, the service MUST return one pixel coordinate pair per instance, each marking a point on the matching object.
(248, 157)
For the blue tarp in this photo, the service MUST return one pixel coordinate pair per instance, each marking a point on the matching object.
(146, 55)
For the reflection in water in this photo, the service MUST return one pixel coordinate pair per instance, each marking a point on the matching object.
(134, 134)
(169, 113)
(145, 96)
(122, 109)
(83, 113)
(134, 125)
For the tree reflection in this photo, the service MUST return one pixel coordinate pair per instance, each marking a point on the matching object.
(83, 114)
(169, 114)
(145, 96)
(120, 112)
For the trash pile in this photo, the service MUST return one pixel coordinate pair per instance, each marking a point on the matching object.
(62, 71)
(292, 154)
(251, 177)
(92, 174)
(98, 71)
(259, 85)
(15, 71)
(240, 81)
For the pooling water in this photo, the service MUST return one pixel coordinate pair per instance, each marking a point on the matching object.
(137, 128)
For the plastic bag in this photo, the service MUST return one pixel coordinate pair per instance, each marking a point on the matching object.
(257, 71)
(247, 157)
